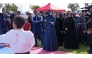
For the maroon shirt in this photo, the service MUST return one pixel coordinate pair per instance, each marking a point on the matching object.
(27, 26)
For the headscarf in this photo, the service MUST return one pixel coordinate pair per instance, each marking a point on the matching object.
(49, 13)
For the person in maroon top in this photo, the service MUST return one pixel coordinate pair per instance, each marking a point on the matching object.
(27, 25)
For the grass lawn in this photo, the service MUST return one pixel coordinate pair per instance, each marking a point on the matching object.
(82, 49)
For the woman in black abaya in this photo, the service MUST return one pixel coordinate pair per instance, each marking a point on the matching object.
(70, 33)
(59, 30)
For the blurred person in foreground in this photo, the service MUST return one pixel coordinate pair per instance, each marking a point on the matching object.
(20, 41)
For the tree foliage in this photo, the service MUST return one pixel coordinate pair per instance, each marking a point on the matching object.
(73, 6)
(11, 7)
(33, 7)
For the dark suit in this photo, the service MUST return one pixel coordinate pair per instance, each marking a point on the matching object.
(3, 23)
(37, 28)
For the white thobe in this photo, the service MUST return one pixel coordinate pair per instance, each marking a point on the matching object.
(20, 41)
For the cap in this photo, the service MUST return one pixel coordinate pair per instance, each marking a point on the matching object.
(90, 6)
(84, 10)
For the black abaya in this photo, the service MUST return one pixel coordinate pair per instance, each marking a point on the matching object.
(70, 34)
(59, 28)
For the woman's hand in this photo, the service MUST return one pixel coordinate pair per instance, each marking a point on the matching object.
(84, 31)
(88, 32)
(66, 29)
(52, 23)
(45, 20)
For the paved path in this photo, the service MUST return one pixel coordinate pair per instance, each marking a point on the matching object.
(35, 50)
(38, 50)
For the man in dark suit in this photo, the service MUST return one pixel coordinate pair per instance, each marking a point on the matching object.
(89, 29)
(4, 21)
(11, 17)
(37, 27)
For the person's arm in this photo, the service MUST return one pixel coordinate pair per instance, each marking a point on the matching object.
(9, 20)
(53, 21)
(3, 38)
(41, 19)
(46, 21)
(29, 27)
(33, 20)
(31, 40)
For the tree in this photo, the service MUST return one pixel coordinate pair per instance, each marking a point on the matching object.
(14, 7)
(33, 7)
(73, 6)
(7, 6)
(11, 7)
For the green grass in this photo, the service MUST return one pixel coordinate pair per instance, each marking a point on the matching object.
(82, 49)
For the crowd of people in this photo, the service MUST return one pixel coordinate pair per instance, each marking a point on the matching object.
(54, 29)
